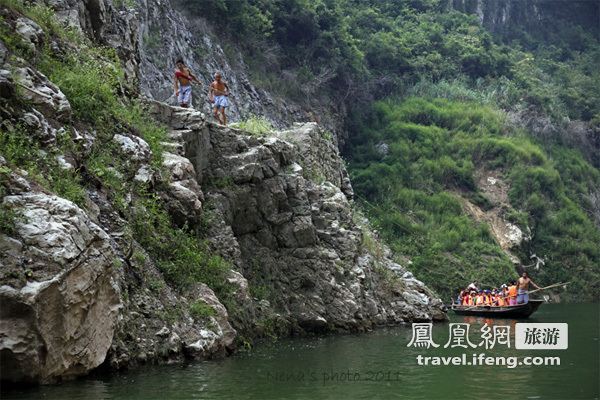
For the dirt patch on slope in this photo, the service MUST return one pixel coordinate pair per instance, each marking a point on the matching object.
(495, 189)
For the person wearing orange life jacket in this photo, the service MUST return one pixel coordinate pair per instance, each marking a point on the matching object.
(500, 301)
(479, 300)
(468, 300)
(488, 298)
(512, 294)
(504, 292)
(494, 298)
(466, 294)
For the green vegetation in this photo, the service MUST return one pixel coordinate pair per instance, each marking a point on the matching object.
(43, 165)
(179, 253)
(258, 126)
(336, 52)
(200, 310)
(343, 55)
(8, 215)
(434, 147)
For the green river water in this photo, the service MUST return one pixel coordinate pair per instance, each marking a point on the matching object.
(375, 365)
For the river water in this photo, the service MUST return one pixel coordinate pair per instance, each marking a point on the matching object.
(375, 365)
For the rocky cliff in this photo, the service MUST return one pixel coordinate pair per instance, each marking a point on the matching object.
(151, 35)
(529, 17)
(91, 283)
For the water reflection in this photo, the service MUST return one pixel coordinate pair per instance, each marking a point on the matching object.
(379, 363)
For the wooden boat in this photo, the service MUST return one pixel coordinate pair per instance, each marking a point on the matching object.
(519, 311)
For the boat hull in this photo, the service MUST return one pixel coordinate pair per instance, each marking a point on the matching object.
(518, 311)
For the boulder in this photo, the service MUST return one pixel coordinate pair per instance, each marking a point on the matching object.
(30, 32)
(63, 325)
(44, 95)
(134, 147)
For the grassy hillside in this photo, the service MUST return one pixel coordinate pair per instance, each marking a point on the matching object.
(434, 147)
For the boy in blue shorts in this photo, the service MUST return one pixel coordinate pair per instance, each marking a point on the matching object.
(219, 100)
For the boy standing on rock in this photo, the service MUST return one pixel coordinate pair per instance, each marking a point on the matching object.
(221, 91)
(182, 77)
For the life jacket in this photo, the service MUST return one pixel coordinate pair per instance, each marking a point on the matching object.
(512, 292)
(465, 301)
(500, 301)
(479, 300)
(495, 300)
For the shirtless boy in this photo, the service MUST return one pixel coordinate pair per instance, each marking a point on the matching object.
(183, 87)
(523, 288)
(219, 100)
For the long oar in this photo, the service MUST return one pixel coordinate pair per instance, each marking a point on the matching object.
(480, 305)
(548, 287)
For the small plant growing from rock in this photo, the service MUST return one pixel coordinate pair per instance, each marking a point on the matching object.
(201, 310)
(256, 125)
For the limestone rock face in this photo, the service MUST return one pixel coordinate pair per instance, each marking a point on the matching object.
(60, 321)
(45, 96)
(318, 153)
(108, 25)
(29, 31)
(185, 195)
(77, 291)
(150, 36)
(281, 211)
(134, 147)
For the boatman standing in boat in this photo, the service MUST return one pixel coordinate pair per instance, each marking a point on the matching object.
(183, 86)
(523, 288)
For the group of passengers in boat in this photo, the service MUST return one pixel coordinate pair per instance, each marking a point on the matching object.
(517, 292)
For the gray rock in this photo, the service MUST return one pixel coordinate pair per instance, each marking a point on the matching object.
(61, 326)
(164, 332)
(45, 96)
(101, 21)
(30, 32)
(7, 86)
(278, 219)
(382, 149)
(178, 168)
(134, 147)
(145, 174)
(38, 123)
